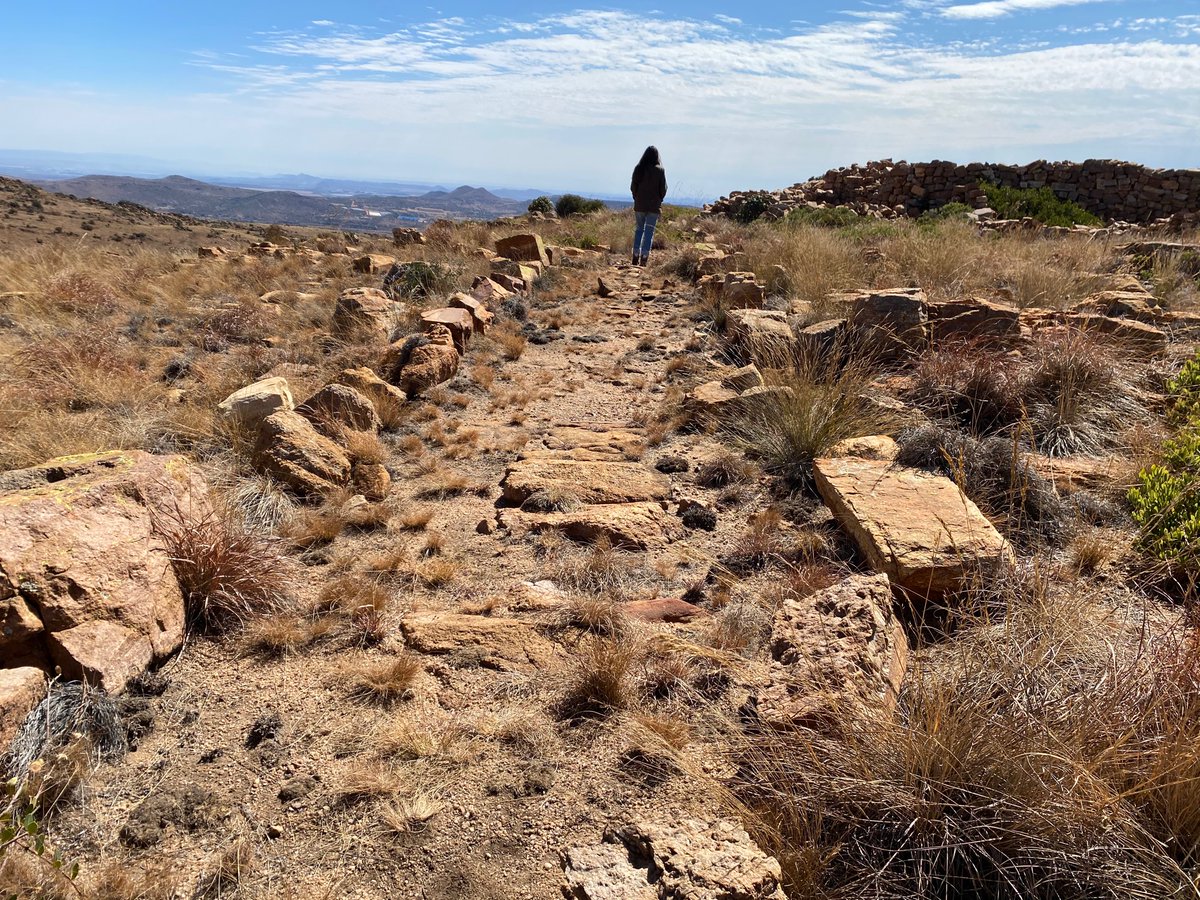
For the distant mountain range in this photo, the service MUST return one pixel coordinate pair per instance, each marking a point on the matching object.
(367, 212)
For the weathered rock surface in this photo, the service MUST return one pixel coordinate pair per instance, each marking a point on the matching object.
(631, 526)
(663, 609)
(504, 644)
(893, 323)
(830, 651)
(362, 313)
(86, 581)
(336, 407)
(373, 263)
(386, 398)
(759, 329)
(685, 860)
(523, 248)
(21, 689)
(248, 406)
(459, 322)
(292, 451)
(481, 317)
(916, 527)
(975, 320)
(740, 290)
(428, 365)
(583, 482)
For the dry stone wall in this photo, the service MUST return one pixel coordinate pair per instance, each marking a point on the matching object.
(1112, 190)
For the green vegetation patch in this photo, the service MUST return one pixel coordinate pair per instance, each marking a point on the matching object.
(1040, 204)
(574, 205)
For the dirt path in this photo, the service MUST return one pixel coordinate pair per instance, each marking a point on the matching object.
(473, 784)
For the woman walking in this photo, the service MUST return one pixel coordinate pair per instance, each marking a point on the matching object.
(649, 187)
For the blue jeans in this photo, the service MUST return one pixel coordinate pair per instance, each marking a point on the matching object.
(643, 235)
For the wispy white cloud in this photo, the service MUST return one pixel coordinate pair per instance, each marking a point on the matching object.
(553, 102)
(994, 9)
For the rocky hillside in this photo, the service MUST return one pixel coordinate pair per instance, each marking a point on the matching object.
(1113, 191)
(482, 564)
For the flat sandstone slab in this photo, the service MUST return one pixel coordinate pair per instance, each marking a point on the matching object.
(583, 481)
(632, 526)
(496, 643)
(917, 528)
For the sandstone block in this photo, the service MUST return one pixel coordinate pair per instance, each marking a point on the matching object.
(894, 323)
(248, 406)
(363, 313)
(583, 482)
(373, 264)
(833, 650)
(21, 689)
(917, 528)
(292, 451)
(630, 526)
(490, 641)
(459, 322)
(523, 248)
(336, 407)
(86, 580)
(428, 365)
(481, 317)
(974, 320)
(386, 398)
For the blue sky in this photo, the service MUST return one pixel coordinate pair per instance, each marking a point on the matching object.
(565, 96)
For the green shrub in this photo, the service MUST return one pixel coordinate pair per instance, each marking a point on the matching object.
(574, 205)
(1040, 204)
(541, 205)
(948, 212)
(419, 279)
(830, 217)
(753, 206)
(1165, 503)
(1184, 390)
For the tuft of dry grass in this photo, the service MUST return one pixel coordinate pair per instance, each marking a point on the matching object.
(416, 518)
(509, 339)
(285, 633)
(235, 863)
(406, 815)
(602, 679)
(385, 681)
(227, 575)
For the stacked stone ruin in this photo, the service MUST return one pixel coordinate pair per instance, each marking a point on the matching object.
(1111, 190)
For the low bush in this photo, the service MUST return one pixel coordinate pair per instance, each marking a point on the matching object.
(753, 207)
(1040, 204)
(1184, 392)
(541, 204)
(419, 279)
(830, 217)
(946, 212)
(1165, 504)
(573, 205)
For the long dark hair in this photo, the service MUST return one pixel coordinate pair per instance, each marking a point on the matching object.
(649, 160)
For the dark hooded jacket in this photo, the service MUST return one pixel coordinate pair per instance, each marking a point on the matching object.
(649, 187)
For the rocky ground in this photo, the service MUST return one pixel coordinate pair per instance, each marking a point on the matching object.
(573, 596)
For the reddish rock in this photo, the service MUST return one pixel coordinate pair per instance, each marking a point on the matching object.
(458, 321)
(86, 581)
(481, 318)
(293, 452)
(663, 609)
(428, 365)
(21, 689)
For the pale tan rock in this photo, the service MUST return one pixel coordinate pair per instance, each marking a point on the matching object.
(292, 451)
(877, 446)
(363, 313)
(403, 237)
(739, 290)
(504, 644)
(337, 407)
(21, 689)
(743, 379)
(974, 320)
(760, 332)
(523, 248)
(1127, 333)
(832, 651)
(526, 273)
(609, 441)
(248, 406)
(677, 859)
(916, 527)
(459, 322)
(710, 399)
(481, 318)
(86, 579)
(630, 526)
(583, 482)
(373, 263)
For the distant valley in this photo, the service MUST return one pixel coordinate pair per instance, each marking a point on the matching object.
(357, 211)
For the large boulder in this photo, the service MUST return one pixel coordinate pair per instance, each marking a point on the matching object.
(577, 481)
(363, 313)
(523, 248)
(427, 365)
(86, 581)
(246, 407)
(681, 859)
(892, 323)
(459, 322)
(292, 451)
(917, 528)
(831, 651)
(337, 407)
